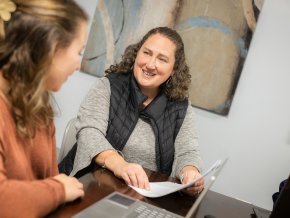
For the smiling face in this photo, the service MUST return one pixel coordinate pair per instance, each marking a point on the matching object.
(66, 60)
(154, 63)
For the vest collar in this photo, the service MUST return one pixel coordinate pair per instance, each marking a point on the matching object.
(155, 109)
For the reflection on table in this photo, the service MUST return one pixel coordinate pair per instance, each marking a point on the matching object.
(102, 182)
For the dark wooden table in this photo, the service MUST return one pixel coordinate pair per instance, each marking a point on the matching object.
(102, 182)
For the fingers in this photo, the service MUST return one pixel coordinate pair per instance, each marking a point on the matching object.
(196, 188)
(72, 187)
(134, 175)
(143, 181)
(190, 175)
(75, 189)
(79, 188)
(131, 178)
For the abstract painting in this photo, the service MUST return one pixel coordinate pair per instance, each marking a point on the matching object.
(216, 34)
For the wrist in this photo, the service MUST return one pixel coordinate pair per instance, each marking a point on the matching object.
(185, 169)
(112, 156)
(111, 160)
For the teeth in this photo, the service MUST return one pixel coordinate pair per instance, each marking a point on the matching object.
(148, 74)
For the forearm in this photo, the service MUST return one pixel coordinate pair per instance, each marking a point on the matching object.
(92, 125)
(30, 198)
(111, 160)
(90, 144)
(190, 159)
(187, 152)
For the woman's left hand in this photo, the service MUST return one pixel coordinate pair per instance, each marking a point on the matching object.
(189, 173)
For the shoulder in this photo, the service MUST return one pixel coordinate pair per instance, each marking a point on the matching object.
(189, 111)
(178, 105)
(99, 91)
(101, 82)
(189, 118)
(100, 86)
(119, 82)
(118, 77)
(185, 110)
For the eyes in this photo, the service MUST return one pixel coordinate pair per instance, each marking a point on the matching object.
(146, 52)
(161, 58)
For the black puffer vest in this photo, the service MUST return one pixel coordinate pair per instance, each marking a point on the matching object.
(165, 117)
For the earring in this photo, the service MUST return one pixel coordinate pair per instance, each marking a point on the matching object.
(168, 81)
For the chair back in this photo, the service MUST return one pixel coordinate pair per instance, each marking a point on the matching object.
(68, 140)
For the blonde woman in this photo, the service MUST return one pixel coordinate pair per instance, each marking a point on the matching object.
(40, 46)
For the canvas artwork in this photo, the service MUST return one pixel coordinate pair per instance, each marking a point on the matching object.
(216, 34)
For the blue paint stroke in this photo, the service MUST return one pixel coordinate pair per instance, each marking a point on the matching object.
(223, 107)
(135, 7)
(207, 22)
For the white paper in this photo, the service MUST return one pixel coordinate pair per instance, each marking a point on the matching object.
(158, 189)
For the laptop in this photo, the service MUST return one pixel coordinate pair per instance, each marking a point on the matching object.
(118, 205)
(281, 208)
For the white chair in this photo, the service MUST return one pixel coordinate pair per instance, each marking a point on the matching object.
(68, 140)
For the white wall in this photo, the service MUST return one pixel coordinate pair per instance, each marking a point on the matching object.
(70, 96)
(256, 133)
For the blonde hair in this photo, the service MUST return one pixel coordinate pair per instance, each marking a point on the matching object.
(29, 41)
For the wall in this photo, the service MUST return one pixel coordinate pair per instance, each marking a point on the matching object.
(69, 98)
(255, 136)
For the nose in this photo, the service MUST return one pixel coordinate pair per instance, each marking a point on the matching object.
(151, 64)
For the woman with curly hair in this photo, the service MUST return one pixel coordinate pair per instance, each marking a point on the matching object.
(139, 115)
(40, 46)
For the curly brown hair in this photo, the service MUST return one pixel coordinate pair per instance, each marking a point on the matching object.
(177, 86)
(27, 46)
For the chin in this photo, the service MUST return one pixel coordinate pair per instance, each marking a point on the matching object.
(53, 89)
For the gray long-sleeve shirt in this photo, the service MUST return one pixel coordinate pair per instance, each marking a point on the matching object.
(92, 125)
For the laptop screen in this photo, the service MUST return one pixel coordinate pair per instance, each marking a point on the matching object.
(208, 183)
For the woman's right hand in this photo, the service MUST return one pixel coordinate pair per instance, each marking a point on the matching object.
(72, 187)
(133, 174)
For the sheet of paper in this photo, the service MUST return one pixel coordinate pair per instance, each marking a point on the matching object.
(159, 189)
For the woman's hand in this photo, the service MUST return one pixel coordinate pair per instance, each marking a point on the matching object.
(72, 187)
(133, 174)
(189, 173)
